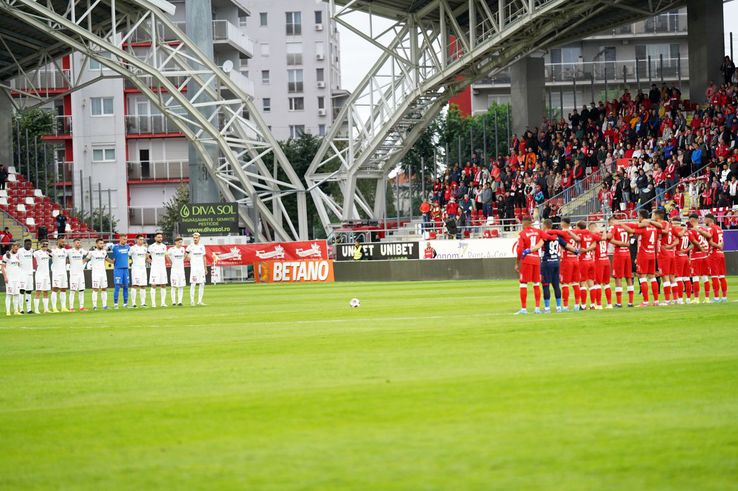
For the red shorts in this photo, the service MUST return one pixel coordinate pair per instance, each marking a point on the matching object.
(530, 272)
(700, 267)
(603, 272)
(622, 266)
(646, 265)
(682, 267)
(666, 264)
(586, 271)
(717, 264)
(569, 271)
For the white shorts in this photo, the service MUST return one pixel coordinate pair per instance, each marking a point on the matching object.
(26, 282)
(99, 280)
(59, 279)
(77, 282)
(43, 283)
(197, 277)
(138, 277)
(158, 276)
(177, 279)
(12, 288)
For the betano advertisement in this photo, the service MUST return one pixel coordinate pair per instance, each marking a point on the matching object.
(208, 218)
(312, 271)
(246, 254)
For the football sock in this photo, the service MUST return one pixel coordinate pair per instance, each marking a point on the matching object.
(104, 295)
(201, 293)
(536, 293)
(53, 300)
(180, 294)
(133, 295)
(163, 296)
(696, 287)
(546, 296)
(631, 294)
(81, 295)
(583, 296)
(655, 289)
(125, 294)
(18, 302)
(36, 304)
(565, 294)
(8, 300)
(608, 294)
(667, 291)
(557, 293)
(46, 304)
(523, 295)
(63, 298)
(715, 286)
(593, 295)
(706, 284)
(28, 301)
(619, 295)
(116, 294)
(575, 288)
(153, 297)
(724, 286)
(94, 299)
(644, 289)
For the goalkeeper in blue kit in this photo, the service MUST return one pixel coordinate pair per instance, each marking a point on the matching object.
(120, 253)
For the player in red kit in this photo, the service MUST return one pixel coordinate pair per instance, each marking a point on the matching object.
(622, 263)
(682, 271)
(587, 245)
(666, 256)
(569, 265)
(700, 266)
(716, 258)
(528, 264)
(648, 232)
(603, 269)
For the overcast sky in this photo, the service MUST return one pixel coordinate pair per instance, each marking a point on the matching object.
(357, 55)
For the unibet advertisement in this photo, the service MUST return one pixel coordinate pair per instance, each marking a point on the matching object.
(209, 219)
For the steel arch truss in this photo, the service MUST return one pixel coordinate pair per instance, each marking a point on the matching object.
(426, 57)
(214, 114)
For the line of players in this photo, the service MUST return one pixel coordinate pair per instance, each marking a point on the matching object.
(575, 261)
(46, 270)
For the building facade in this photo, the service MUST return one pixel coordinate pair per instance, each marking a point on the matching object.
(601, 66)
(296, 65)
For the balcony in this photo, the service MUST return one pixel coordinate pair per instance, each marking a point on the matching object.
(242, 81)
(158, 172)
(671, 23)
(145, 216)
(63, 173)
(44, 80)
(61, 129)
(226, 33)
(150, 126)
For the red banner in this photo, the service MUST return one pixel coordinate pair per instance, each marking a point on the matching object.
(246, 254)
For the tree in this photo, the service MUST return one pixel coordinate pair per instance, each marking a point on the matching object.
(171, 218)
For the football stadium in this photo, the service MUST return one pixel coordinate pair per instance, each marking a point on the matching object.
(388, 244)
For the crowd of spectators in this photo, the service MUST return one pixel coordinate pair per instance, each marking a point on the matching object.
(650, 149)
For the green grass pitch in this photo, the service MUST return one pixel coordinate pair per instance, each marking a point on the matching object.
(426, 386)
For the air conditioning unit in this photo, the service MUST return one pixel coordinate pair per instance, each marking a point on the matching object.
(318, 27)
(321, 85)
(320, 56)
(321, 112)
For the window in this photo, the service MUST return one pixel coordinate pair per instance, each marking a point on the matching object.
(101, 106)
(321, 102)
(264, 49)
(103, 154)
(320, 75)
(265, 76)
(318, 16)
(321, 129)
(294, 54)
(263, 19)
(319, 50)
(297, 130)
(294, 81)
(96, 65)
(266, 104)
(242, 21)
(297, 103)
(294, 23)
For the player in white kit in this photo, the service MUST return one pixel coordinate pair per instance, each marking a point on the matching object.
(59, 283)
(25, 255)
(177, 278)
(198, 270)
(12, 274)
(97, 258)
(158, 273)
(42, 258)
(139, 255)
(77, 257)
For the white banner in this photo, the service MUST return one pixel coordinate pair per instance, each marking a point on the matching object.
(470, 249)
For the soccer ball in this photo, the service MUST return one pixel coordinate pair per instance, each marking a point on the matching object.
(354, 303)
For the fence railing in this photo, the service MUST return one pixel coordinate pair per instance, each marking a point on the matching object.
(44, 78)
(61, 126)
(577, 189)
(173, 170)
(137, 124)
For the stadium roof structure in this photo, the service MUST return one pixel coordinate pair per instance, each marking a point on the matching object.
(217, 117)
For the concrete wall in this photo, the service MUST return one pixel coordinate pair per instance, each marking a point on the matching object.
(460, 269)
